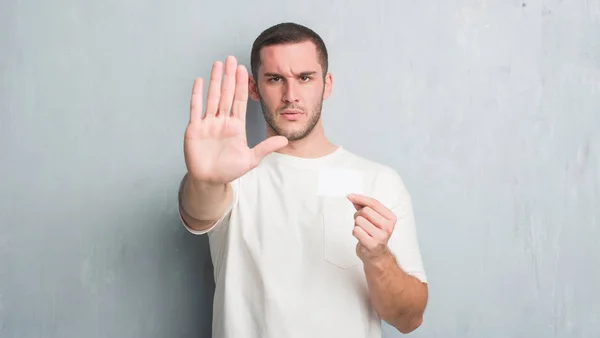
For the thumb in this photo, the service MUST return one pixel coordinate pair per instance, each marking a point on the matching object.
(268, 146)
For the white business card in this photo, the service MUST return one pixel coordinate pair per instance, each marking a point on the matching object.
(339, 182)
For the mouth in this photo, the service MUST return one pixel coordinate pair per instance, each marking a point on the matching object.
(291, 114)
(291, 111)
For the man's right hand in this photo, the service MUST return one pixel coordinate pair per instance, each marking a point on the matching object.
(215, 145)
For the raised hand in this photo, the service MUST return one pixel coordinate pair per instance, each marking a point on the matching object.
(215, 145)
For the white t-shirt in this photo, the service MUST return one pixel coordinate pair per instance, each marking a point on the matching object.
(284, 256)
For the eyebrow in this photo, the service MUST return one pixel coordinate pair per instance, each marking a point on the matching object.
(279, 75)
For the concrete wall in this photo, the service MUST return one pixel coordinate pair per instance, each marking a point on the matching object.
(490, 110)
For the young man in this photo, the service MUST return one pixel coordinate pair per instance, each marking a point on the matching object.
(293, 255)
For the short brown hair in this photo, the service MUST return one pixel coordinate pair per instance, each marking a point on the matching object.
(284, 33)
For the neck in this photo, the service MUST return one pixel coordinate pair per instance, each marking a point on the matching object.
(313, 145)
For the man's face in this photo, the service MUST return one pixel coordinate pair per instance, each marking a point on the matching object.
(291, 88)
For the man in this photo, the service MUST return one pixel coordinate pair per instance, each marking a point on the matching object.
(292, 257)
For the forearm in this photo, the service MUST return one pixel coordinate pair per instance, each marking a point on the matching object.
(201, 204)
(399, 298)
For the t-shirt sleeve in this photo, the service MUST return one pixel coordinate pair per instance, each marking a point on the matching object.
(404, 242)
(223, 221)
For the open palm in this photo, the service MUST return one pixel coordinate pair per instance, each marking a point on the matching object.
(215, 145)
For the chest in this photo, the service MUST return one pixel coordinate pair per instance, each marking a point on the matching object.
(285, 217)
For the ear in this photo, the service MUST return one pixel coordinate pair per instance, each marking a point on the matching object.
(328, 86)
(253, 88)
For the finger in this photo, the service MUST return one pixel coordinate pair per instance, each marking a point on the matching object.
(363, 237)
(227, 87)
(196, 100)
(372, 216)
(373, 204)
(268, 146)
(240, 100)
(214, 89)
(369, 228)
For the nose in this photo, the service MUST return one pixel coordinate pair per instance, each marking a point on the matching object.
(290, 95)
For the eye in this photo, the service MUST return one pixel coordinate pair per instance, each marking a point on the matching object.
(274, 79)
(304, 78)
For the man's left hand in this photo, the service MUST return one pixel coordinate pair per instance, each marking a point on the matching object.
(373, 227)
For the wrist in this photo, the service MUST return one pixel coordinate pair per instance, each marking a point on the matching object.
(203, 185)
(381, 261)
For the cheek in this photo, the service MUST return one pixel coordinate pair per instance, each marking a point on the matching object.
(316, 92)
(271, 95)
(272, 100)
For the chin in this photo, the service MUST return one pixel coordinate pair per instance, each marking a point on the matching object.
(290, 134)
